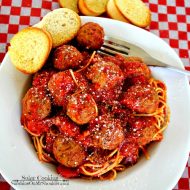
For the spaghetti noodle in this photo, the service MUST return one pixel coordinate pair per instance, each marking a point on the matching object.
(120, 129)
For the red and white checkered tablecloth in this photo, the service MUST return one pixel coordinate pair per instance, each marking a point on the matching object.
(170, 21)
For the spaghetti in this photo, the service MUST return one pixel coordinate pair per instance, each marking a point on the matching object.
(131, 112)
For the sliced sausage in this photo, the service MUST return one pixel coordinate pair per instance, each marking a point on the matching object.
(36, 104)
(68, 152)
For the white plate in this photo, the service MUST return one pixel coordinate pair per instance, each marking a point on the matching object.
(168, 158)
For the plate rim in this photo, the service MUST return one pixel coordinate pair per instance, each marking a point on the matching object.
(97, 18)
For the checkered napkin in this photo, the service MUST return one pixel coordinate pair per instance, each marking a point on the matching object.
(170, 21)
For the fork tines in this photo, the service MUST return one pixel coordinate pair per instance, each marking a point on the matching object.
(111, 48)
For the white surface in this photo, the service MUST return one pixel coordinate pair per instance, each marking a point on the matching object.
(168, 158)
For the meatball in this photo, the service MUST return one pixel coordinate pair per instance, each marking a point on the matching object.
(68, 152)
(67, 56)
(144, 129)
(66, 126)
(133, 67)
(107, 80)
(105, 75)
(106, 132)
(82, 108)
(139, 123)
(90, 36)
(61, 85)
(136, 72)
(36, 104)
(42, 78)
(141, 99)
(146, 135)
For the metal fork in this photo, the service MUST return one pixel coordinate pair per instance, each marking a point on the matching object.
(114, 46)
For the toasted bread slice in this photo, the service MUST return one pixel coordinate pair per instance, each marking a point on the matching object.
(63, 25)
(29, 49)
(96, 6)
(72, 4)
(135, 11)
(84, 10)
(113, 12)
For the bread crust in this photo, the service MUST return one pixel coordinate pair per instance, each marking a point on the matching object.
(33, 39)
